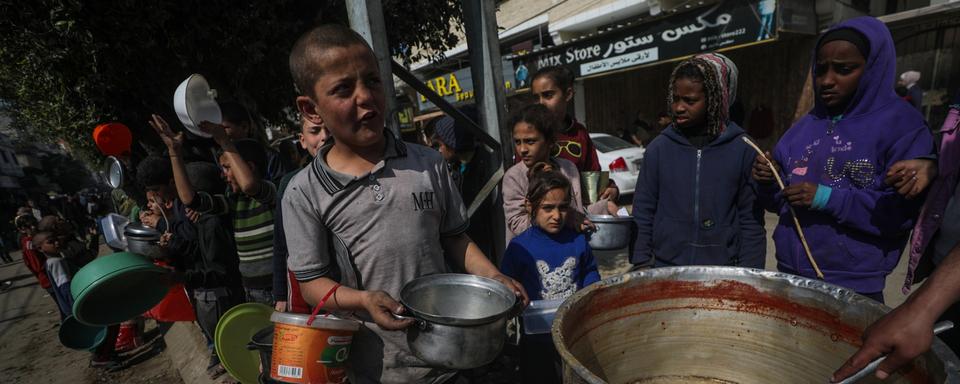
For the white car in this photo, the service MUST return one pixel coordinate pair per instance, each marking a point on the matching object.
(620, 158)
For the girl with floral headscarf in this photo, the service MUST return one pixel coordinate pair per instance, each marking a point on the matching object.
(695, 202)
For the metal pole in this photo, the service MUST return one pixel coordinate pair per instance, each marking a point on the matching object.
(480, 24)
(366, 17)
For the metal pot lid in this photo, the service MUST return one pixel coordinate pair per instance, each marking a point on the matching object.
(458, 299)
(141, 231)
(114, 174)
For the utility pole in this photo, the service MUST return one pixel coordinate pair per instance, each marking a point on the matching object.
(480, 20)
(366, 17)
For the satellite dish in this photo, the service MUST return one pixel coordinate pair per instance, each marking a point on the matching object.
(114, 172)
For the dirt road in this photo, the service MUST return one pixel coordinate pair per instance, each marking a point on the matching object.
(30, 351)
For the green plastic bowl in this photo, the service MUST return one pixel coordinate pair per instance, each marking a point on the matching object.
(76, 335)
(233, 333)
(117, 287)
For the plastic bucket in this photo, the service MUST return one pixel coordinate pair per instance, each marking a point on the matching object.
(314, 353)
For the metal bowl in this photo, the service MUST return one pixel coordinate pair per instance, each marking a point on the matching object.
(458, 299)
(721, 325)
(612, 232)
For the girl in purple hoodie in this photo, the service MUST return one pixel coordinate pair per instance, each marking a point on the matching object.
(833, 161)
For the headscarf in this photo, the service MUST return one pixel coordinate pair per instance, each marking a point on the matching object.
(719, 86)
(910, 78)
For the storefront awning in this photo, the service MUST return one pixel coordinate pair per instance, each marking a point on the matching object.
(723, 26)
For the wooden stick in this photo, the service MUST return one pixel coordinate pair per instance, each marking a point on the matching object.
(796, 222)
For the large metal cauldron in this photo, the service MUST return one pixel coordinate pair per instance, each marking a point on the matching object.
(721, 325)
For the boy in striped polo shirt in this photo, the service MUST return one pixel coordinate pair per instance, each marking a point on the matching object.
(252, 200)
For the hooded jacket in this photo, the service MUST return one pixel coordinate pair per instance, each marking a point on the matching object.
(857, 235)
(698, 206)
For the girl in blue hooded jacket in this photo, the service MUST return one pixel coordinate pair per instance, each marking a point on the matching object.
(834, 159)
(695, 202)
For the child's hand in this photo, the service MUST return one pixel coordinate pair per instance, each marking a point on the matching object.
(762, 172)
(149, 219)
(194, 216)
(165, 240)
(587, 226)
(911, 177)
(612, 208)
(514, 286)
(174, 141)
(381, 308)
(280, 306)
(800, 195)
(218, 131)
(611, 193)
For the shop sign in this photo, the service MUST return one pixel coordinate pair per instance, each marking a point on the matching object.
(724, 25)
(457, 86)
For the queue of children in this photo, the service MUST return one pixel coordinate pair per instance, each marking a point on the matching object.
(366, 213)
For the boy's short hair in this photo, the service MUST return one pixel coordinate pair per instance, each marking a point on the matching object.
(40, 237)
(205, 177)
(252, 151)
(25, 220)
(235, 112)
(154, 170)
(49, 223)
(303, 61)
(561, 76)
(537, 116)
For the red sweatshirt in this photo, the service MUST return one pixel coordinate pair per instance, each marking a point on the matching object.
(35, 261)
(575, 145)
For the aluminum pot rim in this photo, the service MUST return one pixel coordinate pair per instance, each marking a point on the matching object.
(609, 219)
(951, 363)
(468, 279)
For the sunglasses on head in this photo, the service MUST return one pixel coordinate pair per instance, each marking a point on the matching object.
(572, 147)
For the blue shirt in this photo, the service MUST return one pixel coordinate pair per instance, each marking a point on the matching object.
(550, 266)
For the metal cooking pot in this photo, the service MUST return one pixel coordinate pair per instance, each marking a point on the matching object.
(144, 241)
(460, 319)
(721, 325)
(612, 232)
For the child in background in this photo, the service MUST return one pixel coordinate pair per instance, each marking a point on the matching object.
(551, 260)
(833, 161)
(250, 199)
(58, 269)
(286, 289)
(553, 88)
(469, 165)
(695, 203)
(371, 213)
(239, 125)
(534, 136)
(27, 225)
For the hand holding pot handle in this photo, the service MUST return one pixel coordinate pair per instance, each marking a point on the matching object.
(514, 286)
(383, 309)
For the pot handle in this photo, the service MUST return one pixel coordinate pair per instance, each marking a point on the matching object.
(422, 324)
(516, 309)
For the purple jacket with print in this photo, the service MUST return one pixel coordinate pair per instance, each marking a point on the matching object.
(939, 195)
(857, 238)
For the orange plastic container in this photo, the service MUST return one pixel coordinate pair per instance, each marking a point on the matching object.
(314, 353)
